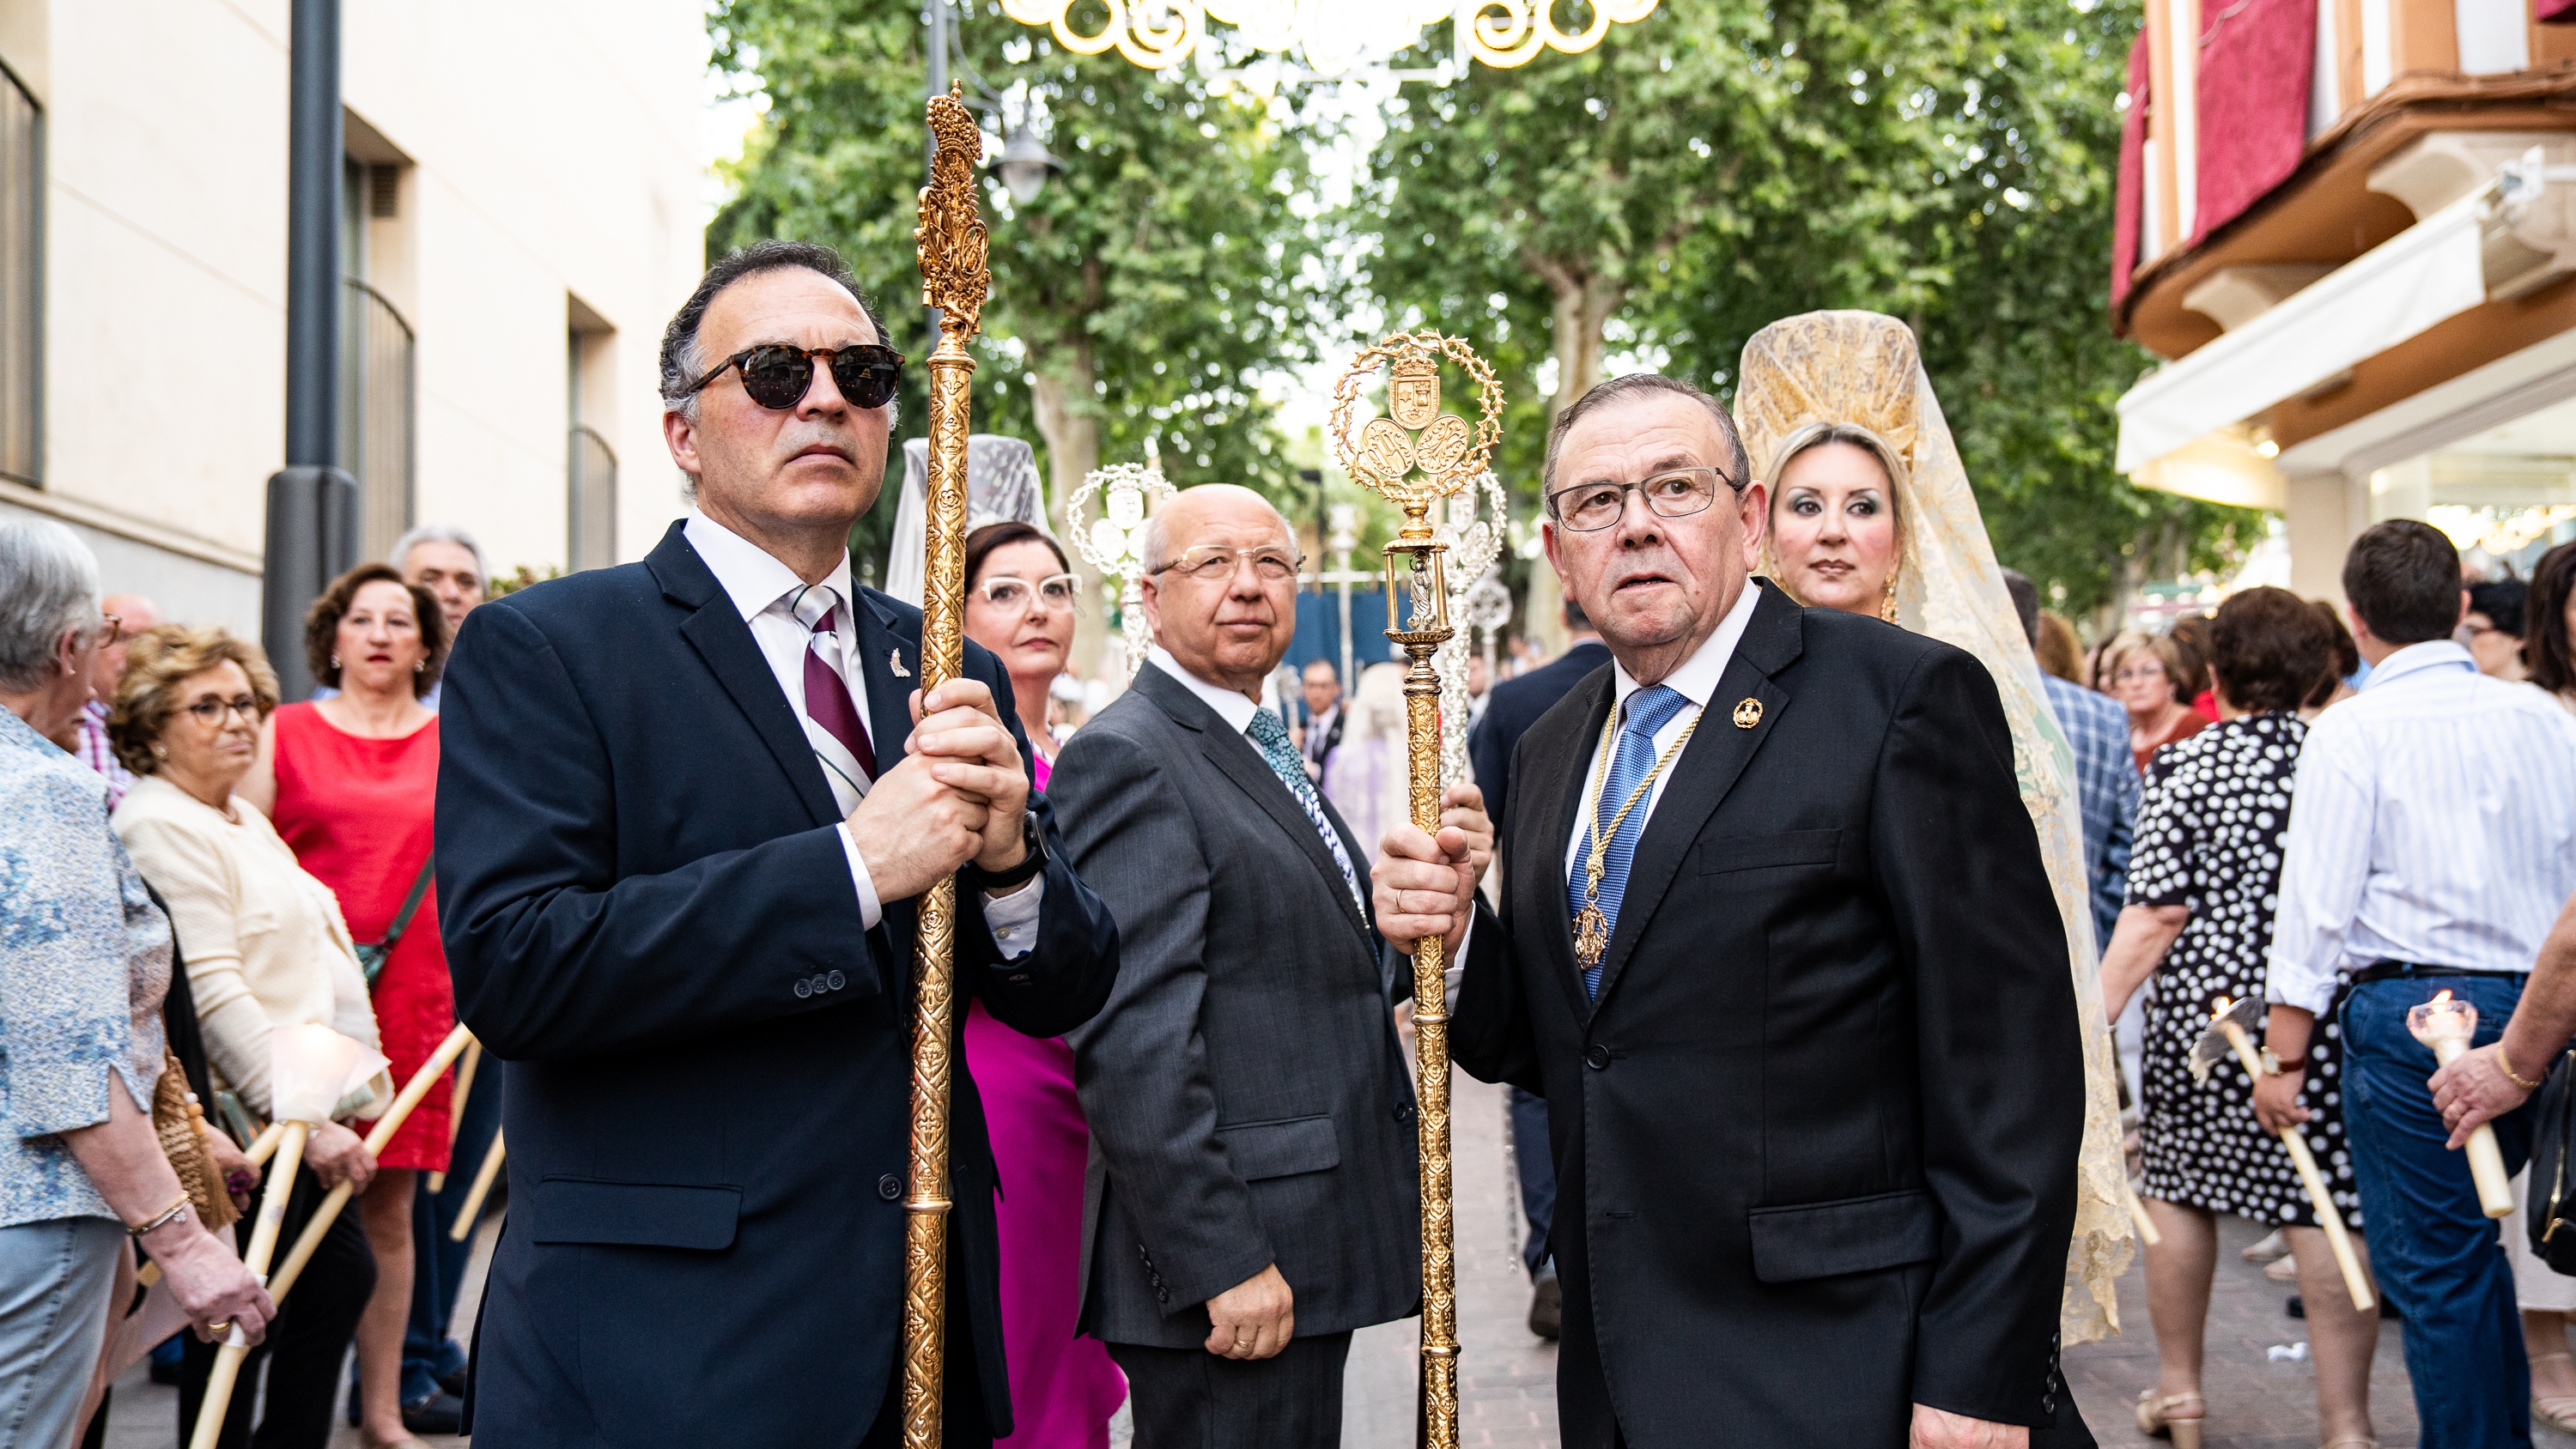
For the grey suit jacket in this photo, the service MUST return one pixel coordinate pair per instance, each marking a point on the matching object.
(1248, 1101)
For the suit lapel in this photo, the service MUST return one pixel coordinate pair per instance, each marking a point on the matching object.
(881, 650)
(1240, 762)
(724, 641)
(1708, 768)
(1558, 818)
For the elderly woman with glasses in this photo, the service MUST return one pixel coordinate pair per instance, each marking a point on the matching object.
(1020, 595)
(266, 948)
(84, 965)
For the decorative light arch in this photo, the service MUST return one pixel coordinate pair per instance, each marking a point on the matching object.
(1332, 37)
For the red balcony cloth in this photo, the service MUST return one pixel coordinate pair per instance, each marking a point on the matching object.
(2257, 61)
(2128, 206)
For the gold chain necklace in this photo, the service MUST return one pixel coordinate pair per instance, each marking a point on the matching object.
(1591, 928)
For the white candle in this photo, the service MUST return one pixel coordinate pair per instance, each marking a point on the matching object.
(2447, 1026)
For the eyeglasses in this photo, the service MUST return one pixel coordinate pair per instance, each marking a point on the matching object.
(1673, 493)
(1008, 592)
(212, 713)
(115, 630)
(2127, 672)
(1214, 563)
(776, 376)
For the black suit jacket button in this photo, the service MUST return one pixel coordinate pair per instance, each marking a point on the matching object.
(889, 1187)
(804, 989)
(1598, 1058)
(1404, 1112)
(836, 981)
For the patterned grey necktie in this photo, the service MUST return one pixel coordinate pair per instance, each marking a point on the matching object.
(1282, 757)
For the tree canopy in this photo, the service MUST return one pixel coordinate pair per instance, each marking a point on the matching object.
(1139, 300)
(1730, 162)
(1649, 203)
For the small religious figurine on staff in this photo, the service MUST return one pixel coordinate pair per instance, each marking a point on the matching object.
(955, 280)
(1413, 457)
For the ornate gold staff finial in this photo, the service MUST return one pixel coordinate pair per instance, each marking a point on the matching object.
(1413, 457)
(954, 279)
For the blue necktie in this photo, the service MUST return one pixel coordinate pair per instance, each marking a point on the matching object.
(1649, 710)
(1282, 757)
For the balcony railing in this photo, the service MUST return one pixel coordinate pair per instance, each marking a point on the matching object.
(377, 414)
(591, 490)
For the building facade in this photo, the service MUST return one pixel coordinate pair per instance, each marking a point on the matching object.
(524, 210)
(2349, 228)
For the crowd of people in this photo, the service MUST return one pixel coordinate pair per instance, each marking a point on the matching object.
(195, 866)
(1814, 1102)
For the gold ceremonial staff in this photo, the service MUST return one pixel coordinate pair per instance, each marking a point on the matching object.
(1413, 457)
(954, 279)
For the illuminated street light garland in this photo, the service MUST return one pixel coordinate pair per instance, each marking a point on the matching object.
(1331, 37)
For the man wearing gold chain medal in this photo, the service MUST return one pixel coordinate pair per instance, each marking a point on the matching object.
(1798, 999)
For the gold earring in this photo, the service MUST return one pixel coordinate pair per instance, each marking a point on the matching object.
(1887, 599)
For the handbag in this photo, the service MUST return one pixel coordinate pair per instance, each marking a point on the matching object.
(181, 1125)
(2549, 1206)
(372, 954)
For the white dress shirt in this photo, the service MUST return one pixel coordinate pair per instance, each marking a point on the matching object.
(1695, 680)
(765, 591)
(2432, 820)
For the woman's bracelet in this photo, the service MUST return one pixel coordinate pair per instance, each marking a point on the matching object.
(2517, 1078)
(162, 1219)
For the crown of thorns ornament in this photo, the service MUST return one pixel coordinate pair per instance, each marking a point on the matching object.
(1416, 453)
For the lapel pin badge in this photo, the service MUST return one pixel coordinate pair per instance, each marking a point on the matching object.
(1748, 714)
(894, 661)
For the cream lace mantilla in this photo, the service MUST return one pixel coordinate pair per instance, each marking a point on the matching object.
(1860, 367)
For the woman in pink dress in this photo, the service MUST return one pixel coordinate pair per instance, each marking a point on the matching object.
(1020, 593)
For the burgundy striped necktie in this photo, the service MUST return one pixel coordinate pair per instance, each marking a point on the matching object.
(827, 693)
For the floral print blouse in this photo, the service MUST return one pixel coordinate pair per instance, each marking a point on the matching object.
(84, 965)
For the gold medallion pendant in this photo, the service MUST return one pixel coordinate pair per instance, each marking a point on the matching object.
(1591, 937)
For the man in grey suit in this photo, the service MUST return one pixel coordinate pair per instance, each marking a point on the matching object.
(1252, 1194)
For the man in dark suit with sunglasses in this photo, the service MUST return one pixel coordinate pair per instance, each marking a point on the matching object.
(686, 809)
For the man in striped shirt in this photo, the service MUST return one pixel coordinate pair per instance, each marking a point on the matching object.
(2431, 840)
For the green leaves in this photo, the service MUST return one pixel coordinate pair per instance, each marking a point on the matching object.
(1730, 162)
(1146, 290)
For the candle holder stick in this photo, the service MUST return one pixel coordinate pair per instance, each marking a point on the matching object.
(2447, 1026)
(2226, 1034)
(383, 1132)
(954, 279)
(1113, 543)
(1413, 457)
(311, 1069)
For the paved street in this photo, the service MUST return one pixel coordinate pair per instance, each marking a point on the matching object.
(1508, 1378)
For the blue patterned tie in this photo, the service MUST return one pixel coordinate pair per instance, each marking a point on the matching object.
(1272, 736)
(1649, 710)
(1284, 760)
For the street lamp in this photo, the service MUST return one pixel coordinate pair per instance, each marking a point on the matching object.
(1025, 165)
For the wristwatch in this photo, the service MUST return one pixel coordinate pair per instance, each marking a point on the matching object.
(2271, 1063)
(1031, 863)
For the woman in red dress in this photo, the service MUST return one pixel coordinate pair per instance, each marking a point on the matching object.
(350, 783)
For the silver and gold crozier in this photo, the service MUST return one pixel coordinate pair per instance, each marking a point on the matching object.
(1414, 456)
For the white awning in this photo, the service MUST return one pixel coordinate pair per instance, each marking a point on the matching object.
(2427, 273)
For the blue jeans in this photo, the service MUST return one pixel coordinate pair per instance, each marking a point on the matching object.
(438, 1263)
(54, 1281)
(2435, 1252)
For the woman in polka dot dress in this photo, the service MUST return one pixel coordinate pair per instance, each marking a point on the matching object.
(2204, 877)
